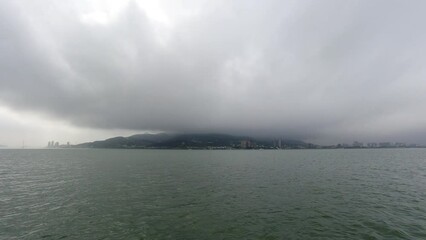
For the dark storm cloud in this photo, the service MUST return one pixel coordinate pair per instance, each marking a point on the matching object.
(308, 69)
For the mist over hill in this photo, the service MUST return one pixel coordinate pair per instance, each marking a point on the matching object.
(194, 141)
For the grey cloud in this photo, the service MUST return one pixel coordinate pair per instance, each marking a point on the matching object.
(305, 69)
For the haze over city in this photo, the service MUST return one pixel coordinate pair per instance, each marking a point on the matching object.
(320, 71)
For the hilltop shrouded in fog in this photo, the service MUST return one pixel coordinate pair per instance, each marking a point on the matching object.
(319, 71)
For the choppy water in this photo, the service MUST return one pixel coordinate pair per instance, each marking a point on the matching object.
(151, 194)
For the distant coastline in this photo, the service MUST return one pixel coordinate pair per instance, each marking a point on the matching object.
(218, 142)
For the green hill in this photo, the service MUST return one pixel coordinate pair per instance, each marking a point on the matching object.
(191, 141)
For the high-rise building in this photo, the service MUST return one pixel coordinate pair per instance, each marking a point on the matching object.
(247, 144)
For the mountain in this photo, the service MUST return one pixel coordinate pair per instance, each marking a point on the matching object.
(193, 141)
(201, 141)
(134, 141)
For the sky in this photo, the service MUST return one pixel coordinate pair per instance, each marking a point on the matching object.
(326, 71)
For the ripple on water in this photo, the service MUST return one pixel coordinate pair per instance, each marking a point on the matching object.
(111, 194)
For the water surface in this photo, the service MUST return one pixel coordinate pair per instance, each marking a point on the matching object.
(179, 194)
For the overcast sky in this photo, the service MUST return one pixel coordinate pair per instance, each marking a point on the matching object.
(324, 71)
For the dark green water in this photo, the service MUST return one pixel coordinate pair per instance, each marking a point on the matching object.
(151, 194)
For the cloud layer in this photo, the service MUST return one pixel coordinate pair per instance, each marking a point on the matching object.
(327, 71)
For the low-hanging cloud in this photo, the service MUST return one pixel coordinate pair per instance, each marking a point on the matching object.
(304, 69)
